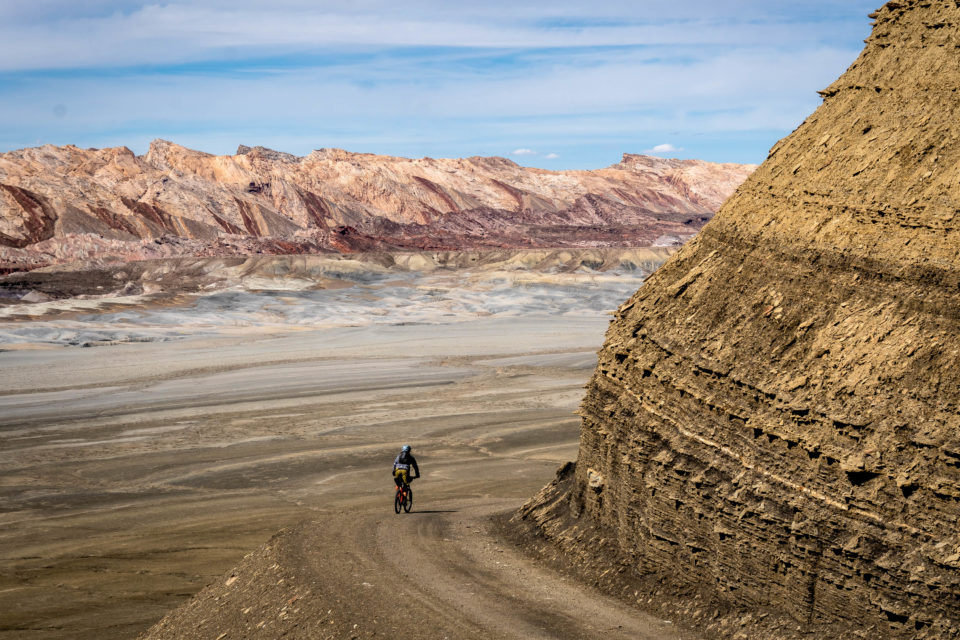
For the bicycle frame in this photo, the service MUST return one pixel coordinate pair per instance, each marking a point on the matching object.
(403, 499)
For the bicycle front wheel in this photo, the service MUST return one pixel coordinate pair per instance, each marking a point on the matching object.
(408, 503)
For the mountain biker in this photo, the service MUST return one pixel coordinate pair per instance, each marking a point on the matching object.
(401, 467)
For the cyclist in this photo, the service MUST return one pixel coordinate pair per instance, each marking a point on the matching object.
(401, 467)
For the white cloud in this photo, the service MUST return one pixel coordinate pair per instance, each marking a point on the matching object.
(551, 156)
(663, 148)
(524, 152)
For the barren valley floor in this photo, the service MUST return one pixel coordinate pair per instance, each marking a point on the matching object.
(134, 474)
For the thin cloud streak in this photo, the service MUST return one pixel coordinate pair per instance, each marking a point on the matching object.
(175, 33)
(705, 90)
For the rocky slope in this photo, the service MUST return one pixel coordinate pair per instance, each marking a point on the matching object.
(771, 433)
(63, 203)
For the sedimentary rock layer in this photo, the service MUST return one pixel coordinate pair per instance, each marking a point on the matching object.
(64, 203)
(773, 423)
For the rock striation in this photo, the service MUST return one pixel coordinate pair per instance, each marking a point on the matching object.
(771, 434)
(62, 204)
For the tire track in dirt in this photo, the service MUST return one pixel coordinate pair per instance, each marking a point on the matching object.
(444, 572)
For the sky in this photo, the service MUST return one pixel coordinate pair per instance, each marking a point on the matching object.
(558, 84)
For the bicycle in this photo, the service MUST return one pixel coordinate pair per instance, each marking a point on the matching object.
(403, 499)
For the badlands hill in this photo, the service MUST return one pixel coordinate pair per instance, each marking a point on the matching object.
(771, 434)
(61, 204)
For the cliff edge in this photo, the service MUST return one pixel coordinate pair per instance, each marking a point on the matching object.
(771, 435)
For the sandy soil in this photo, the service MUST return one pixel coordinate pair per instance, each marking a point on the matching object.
(134, 474)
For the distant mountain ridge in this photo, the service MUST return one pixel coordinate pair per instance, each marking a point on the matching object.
(60, 204)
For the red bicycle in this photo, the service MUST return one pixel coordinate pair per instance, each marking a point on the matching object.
(404, 498)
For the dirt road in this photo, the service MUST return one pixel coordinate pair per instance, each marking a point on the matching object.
(446, 571)
(468, 582)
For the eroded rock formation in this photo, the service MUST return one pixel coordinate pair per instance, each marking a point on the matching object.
(63, 203)
(772, 429)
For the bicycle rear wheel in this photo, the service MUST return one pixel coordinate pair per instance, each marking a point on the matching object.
(408, 503)
(397, 502)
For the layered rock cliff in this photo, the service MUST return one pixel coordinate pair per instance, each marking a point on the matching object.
(772, 432)
(65, 203)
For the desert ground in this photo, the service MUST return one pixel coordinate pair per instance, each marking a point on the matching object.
(141, 468)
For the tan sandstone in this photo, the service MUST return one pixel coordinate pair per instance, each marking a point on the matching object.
(771, 436)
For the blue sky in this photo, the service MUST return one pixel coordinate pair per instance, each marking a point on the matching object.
(559, 84)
